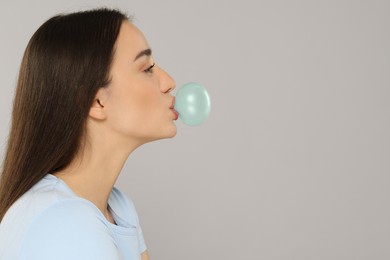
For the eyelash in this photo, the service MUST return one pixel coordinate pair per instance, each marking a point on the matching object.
(150, 69)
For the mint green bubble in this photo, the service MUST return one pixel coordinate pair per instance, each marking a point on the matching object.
(193, 104)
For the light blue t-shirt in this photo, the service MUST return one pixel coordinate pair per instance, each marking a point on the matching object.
(51, 222)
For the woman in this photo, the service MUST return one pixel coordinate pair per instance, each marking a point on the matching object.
(88, 94)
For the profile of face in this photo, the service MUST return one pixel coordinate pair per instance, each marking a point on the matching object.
(137, 103)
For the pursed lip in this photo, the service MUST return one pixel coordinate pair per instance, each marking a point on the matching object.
(173, 109)
(175, 113)
(173, 103)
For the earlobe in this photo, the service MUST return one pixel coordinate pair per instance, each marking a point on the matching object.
(97, 110)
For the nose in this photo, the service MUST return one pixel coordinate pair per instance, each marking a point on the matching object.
(167, 83)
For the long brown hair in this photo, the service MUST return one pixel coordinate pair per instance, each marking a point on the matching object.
(65, 63)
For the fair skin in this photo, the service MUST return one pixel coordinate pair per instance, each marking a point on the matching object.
(134, 109)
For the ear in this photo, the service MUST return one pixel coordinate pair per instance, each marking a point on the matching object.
(97, 110)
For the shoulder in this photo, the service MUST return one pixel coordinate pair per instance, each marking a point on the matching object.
(71, 228)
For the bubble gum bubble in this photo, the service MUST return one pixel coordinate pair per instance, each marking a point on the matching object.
(193, 104)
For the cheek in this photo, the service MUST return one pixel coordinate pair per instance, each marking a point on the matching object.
(135, 108)
(145, 103)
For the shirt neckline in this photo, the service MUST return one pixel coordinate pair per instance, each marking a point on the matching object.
(121, 226)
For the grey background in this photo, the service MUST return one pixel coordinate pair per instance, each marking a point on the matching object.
(293, 162)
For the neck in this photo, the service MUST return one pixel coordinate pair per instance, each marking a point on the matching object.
(94, 171)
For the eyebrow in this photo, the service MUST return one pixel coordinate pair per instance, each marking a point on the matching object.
(147, 52)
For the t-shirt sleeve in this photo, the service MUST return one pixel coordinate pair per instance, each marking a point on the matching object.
(69, 229)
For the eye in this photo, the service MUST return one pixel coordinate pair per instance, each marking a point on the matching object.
(150, 69)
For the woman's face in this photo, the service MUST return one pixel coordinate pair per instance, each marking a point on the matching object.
(137, 102)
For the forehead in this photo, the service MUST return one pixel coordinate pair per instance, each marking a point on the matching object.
(130, 40)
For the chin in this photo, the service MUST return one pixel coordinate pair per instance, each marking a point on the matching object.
(171, 132)
(165, 133)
